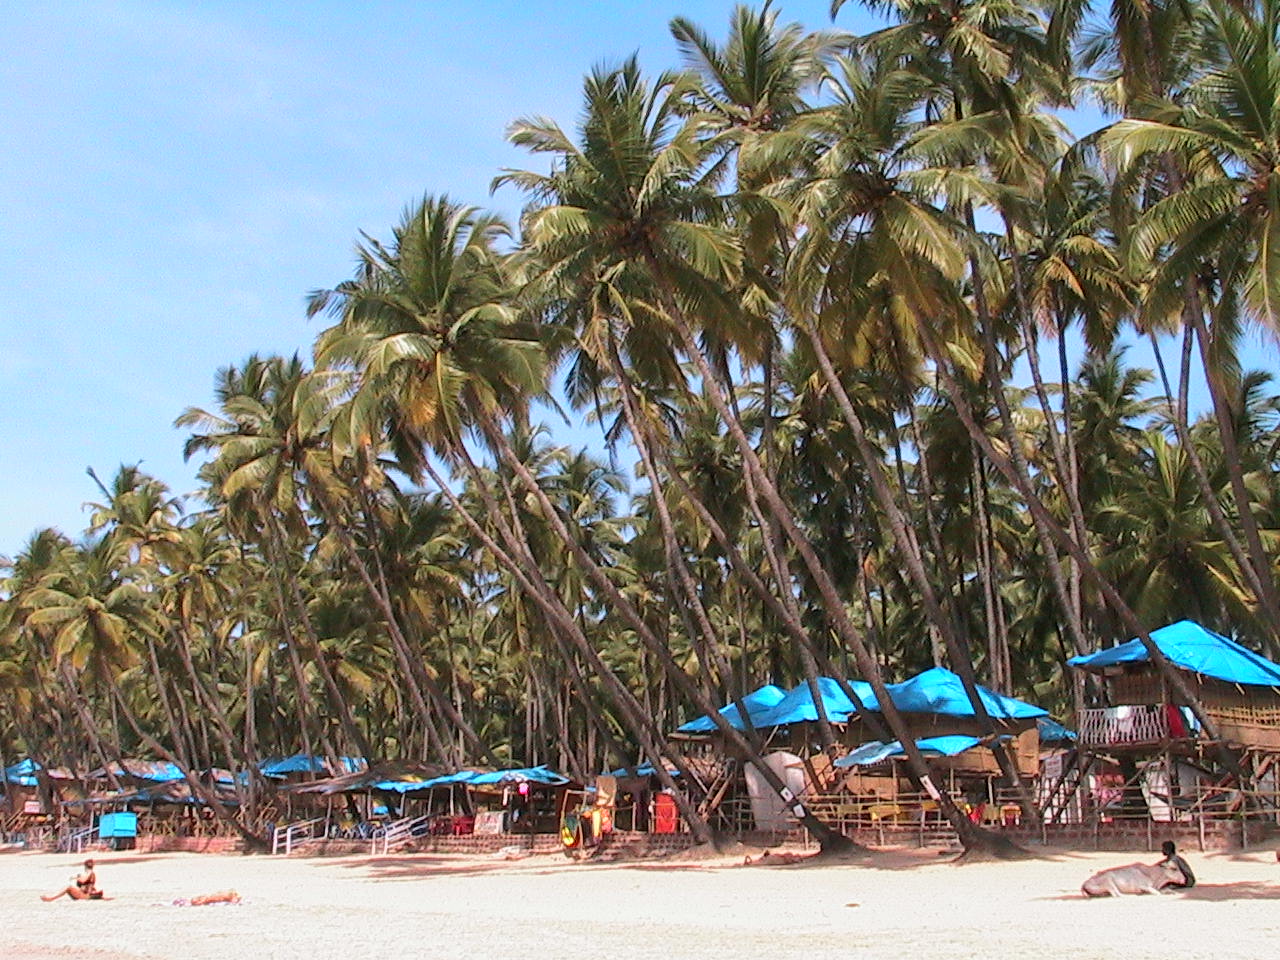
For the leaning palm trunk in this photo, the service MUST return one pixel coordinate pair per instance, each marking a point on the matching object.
(642, 439)
(222, 723)
(1019, 480)
(337, 703)
(768, 526)
(1017, 472)
(308, 715)
(198, 789)
(527, 576)
(910, 547)
(1258, 568)
(532, 582)
(410, 666)
(1060, 453)
(778, 602)
(90, 726)
(401, 645)
(970, 834)
(826, 837)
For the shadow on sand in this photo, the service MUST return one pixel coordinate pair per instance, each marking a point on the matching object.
(1210, 892)
(1245, 890)
(412, 866)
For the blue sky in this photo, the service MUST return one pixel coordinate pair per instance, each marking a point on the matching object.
(176, 176)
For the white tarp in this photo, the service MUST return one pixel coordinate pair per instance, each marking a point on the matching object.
(768, 809)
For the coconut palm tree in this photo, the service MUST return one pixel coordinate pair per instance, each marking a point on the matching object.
(602, 212)
(1220, 222)
(262, 461)
(437, 350)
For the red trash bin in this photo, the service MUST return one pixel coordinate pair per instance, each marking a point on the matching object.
(666, 817)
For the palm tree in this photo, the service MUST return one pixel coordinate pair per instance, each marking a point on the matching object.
(433, 341)
(602, 213)
(1160, 552)
(262, 459)
(1220, 222)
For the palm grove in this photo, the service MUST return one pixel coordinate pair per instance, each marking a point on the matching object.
(820, 294)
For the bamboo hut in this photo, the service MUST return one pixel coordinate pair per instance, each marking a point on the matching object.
(1144, 728)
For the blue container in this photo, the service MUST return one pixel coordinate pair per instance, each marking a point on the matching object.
(118, 825)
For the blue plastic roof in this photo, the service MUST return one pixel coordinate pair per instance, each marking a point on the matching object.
(153, 771)
(409, 786)
(756, 702)
(798, 706)
(301, 763)
(540, 774)
(22, 773)
(937, 691)
(1051, 731)
(940, 691)
(1192, 647)
(646, 769)
(876, 750)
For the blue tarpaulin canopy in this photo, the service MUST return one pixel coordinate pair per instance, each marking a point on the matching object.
(1051, 731)
(798, 705)
(935, 691)
(940, 691)
(877, 751)
(1190, 646)
(152, 771)
(23, 773)
(476, 778)
(646, 769)
(301, 763)
(540, 774)
(756, 702)
(409, 786)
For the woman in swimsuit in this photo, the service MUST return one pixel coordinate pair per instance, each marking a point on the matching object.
(83, 887)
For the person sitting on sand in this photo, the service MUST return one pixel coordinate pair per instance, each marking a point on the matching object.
(1170, 852)
(83, 887)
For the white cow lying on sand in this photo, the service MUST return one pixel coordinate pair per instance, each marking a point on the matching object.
(1132, 878)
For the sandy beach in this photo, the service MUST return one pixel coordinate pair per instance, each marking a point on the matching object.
(902, 903)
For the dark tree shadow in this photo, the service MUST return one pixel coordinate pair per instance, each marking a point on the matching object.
(1244, 890)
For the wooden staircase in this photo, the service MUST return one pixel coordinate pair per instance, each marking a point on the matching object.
(1065, 787)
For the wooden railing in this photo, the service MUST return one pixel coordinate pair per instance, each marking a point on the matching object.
(1115, 726)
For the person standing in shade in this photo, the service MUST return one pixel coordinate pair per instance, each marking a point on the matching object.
(1170, 852)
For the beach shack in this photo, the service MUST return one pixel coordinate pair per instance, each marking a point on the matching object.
(523, 800)
(400, 801)
(756, 703)
(1170, 769)
(718, 786)
(154, 799)
(874, 788)
(27, 807)
(935, 704)
(939, 716)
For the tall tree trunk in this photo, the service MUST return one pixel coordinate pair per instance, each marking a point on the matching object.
(970, 834)
(337, 703)
(413, 669)
(524, 571)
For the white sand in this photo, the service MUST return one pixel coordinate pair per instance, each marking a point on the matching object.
(907, 904)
